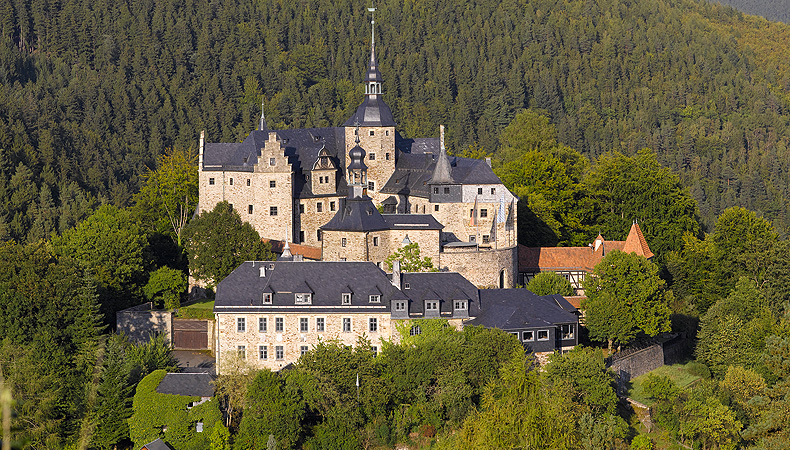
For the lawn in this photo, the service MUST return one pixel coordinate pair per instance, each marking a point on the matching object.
(201, 309)
(678, 373)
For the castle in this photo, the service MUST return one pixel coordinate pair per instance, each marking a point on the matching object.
(361, 191)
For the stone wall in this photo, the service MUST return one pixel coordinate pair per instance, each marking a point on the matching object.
(291, 338)
(482, 267)
(638, 363)
(381, 144)
(139, 322)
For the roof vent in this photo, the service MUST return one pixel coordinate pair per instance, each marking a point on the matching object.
(263, 272)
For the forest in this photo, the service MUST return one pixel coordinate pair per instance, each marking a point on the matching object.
(771, 10)
(596, 113)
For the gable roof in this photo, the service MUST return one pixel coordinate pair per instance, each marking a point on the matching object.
(511, 309)
(184, 383)
(157, 444)
(443, 286)
(307, 251)
(356, 214)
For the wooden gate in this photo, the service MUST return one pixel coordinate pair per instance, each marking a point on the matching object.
(190, 334)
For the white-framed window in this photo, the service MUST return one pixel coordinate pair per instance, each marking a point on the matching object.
(279, 324)
(346, 300)
(241, 324)
(514, 333)
(493, 191)
(320, 324)
(432, 305)
(272, 183)
(211, 181)
(486, 239)
(375, 298)
(346, 325)
(373, 325)
(406, 286)
(527, 336)
(267, 298)
(375, 241)
(459, 305)
(304, 325)
(543, 335)
(272, 210)
(303, 298)
(279, 352)
(400, 306)
(415, 330)
(319, 207)
(263, 325)
(479, 191)
(303, 349)
(263, 352)
(242, 351)
(371, 185)
(343, 242)
(568, 330)
(483, 213)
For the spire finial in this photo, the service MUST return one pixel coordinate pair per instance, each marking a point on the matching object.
(372, 11)
(356, 132)
(286, 248)
(262, 124)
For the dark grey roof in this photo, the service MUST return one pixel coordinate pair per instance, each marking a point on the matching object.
(442, 170)
(417, 145)
(444, 286)
(373, 112)
(512, 309)
(242, 290)
(414, 171)
(157, 444)
(192, 384)
(412, 221)
(356, 214)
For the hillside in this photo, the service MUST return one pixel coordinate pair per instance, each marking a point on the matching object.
(92, 91)
(770, 9)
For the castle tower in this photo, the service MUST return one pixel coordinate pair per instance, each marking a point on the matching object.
(374, 125)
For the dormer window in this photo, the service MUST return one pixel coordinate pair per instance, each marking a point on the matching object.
(346, 299)
(432, 305)
(303, 299)
(406, 286)
(459, 305)
(375, 299)
(267, 298)
(400, 306)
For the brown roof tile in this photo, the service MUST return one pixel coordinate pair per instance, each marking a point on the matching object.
(307, 251)
(636, 243)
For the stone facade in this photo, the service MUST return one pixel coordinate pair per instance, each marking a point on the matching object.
(376, 246)
(139, 322)
(483, 267)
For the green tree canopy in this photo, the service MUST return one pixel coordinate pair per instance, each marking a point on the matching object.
(165, 287)
(410, 260)
(218, 241)
(625, 297)
(550, 283)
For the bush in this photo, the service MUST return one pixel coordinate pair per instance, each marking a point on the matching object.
(660, 387)
(698, 369)
(642, 442)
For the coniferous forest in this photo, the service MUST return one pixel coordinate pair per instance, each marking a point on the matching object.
(596, 113)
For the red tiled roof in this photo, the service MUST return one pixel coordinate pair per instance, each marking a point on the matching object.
(636, 243)
(307, 251)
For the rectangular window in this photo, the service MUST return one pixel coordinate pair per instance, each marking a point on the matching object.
(527, 336)
(301, 236)
(435, 190)
(400, 306)
(279, 352)
(375, 299)
(371, 186)
(248, 182)
(249, 209)
(346, 325)
(319, 207)
(242, 350)
(446, 190)
(318, 235)
(486, 239)
(303, 299)
(320, 180)
(375, 350)
(375, 241)
(371, 131)
(331, 206)
(263, 352)
(373, 325)
(406, 286)
(432, 306)
(272, 210)
(211, 181)
(230, 205)
(304, 325)
(231, 182)
(483, 213)
(459, 305)
(241, 324)
(320, 324)
(472, 238)
(278, 324)
(263, 325)
(567, 331)
(301, 208)
(479, 191)
(303, 349)
(272, 161)
(272, 184)
(346, 299)
(493, 191)
(267, 298)
(343, 242)
(387, 155)
(543, 335)
(372, 156)
(436, 207)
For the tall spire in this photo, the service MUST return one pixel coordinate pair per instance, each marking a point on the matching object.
(372, 11)
(443, 171)
(262, 125)
(373, 79)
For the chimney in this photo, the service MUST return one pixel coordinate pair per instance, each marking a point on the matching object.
(488, 161)
(396, 273)
(263, 271)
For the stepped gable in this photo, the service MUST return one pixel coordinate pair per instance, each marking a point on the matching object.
(241, 156)
(444, 286)
(520, 308)
(356, 214)
(636, 243)
(242, 291)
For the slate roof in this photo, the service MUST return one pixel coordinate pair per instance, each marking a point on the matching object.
(242, 290)
(192, 384)
(356, 214)
(414, 171)
(373, 112)
(444, 286)
(513, 309)
(580, 258)
(411, 221)
(157, 444)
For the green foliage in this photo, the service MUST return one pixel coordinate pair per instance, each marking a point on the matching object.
(550, 283)
(660, 387)
(218, 241)
(165, 287)
(770, 429)
(271, 408)
(113, 397)
(585, 371)
(149, 356)
(625, 297)
(410, 261)
(220, 437)
(231, 386)
(167, 416)
(642, 442)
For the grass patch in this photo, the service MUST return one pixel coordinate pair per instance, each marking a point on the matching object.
(678, 373)
(201, 309)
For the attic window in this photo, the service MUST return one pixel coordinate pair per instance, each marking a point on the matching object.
(375, 299)
(370, 212)
(459, 305)
(543, 335)
(303, 299)
(267, 298)
(346, 300)
(406, 286)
